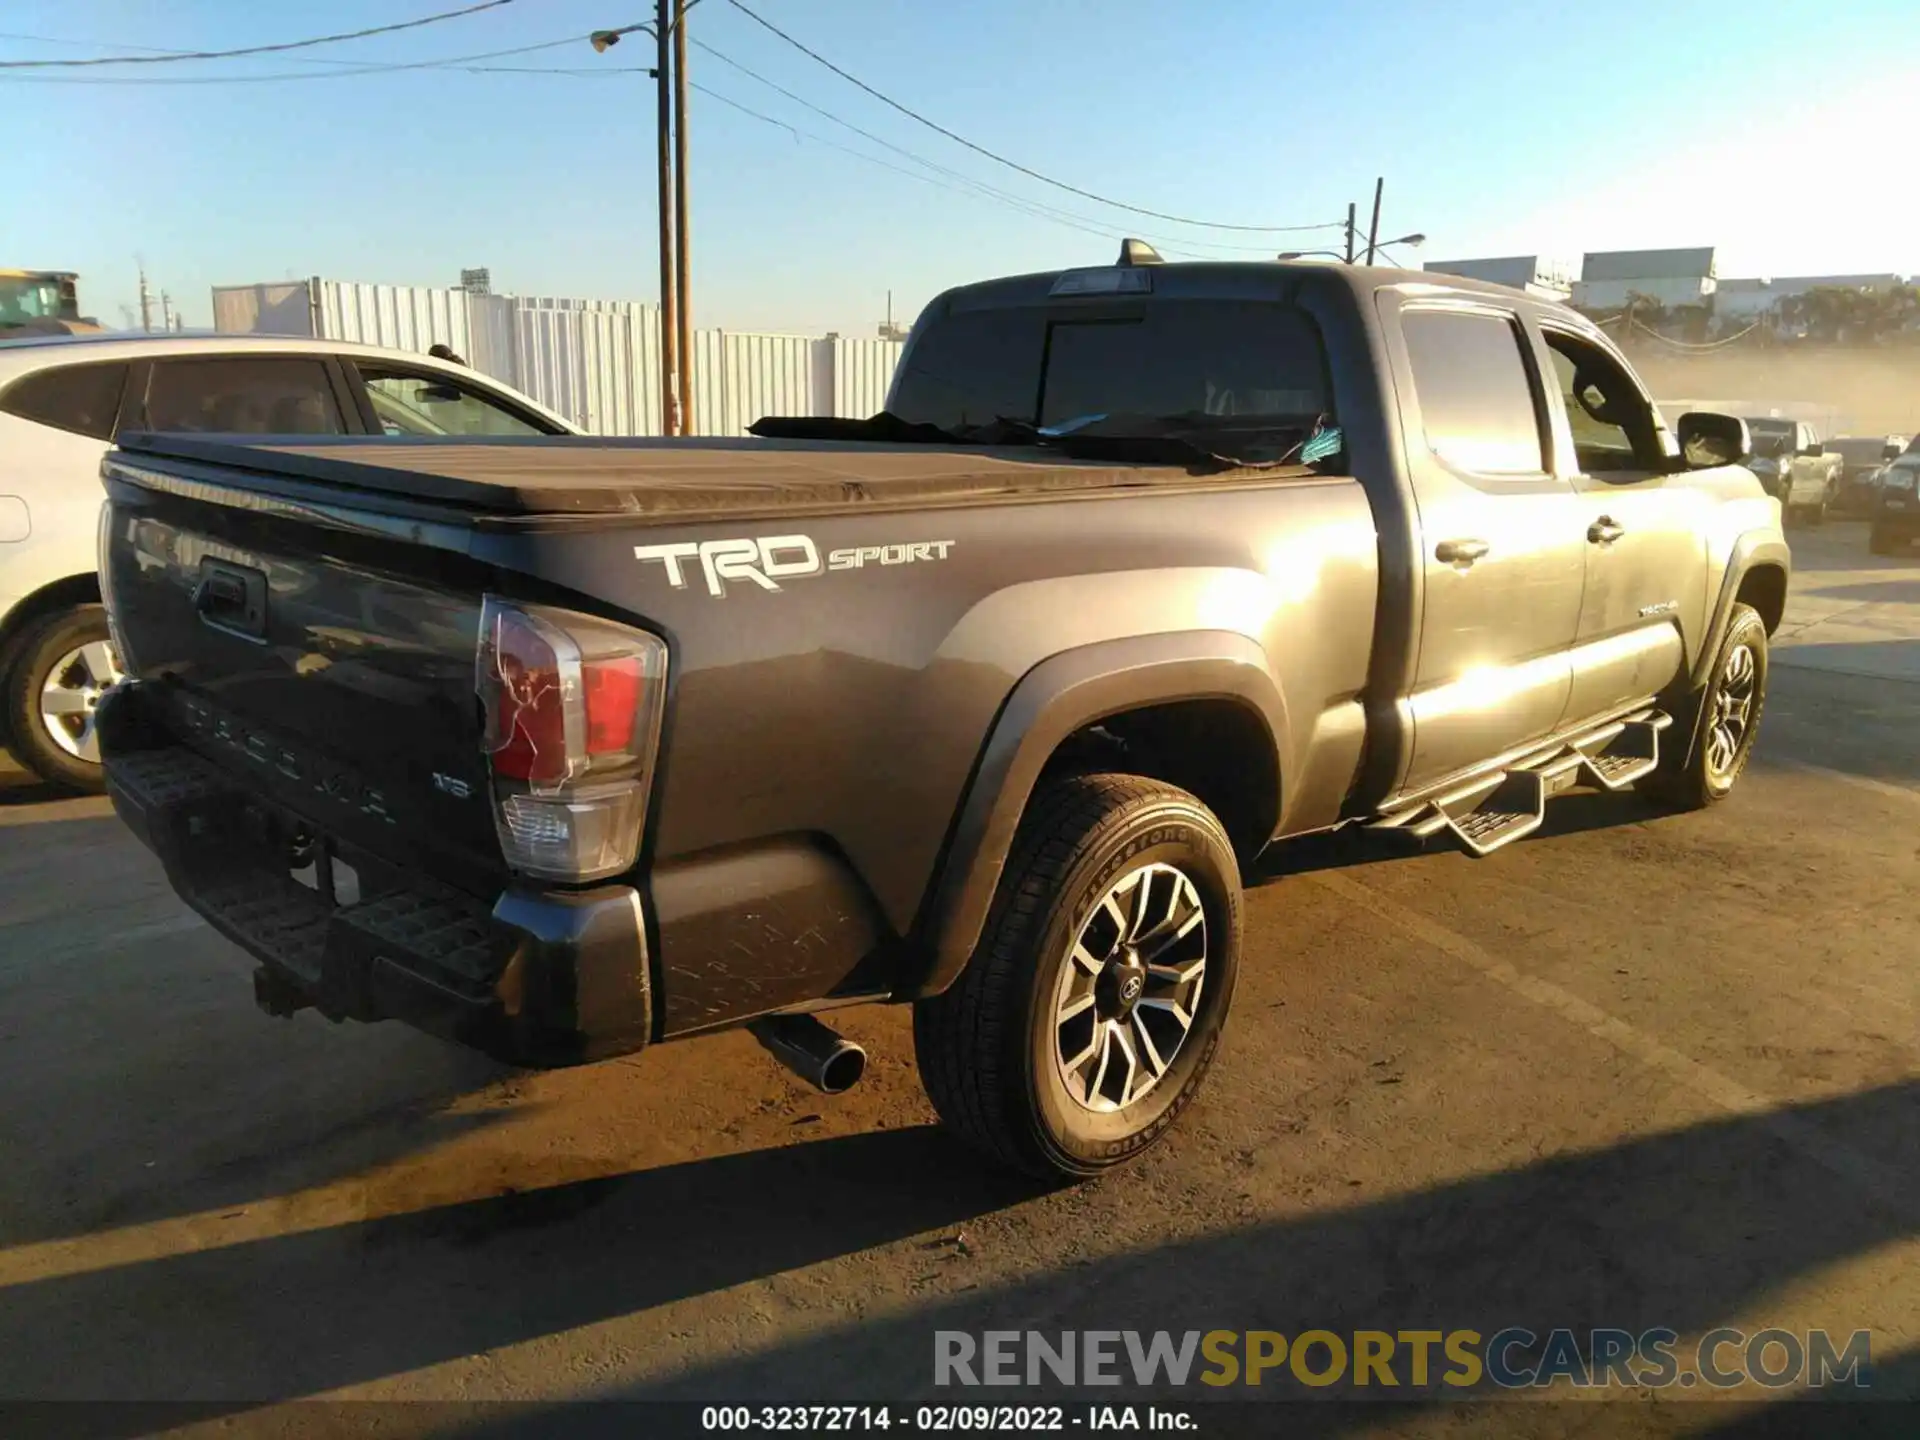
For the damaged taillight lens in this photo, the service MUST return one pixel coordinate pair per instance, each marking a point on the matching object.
(573, 706)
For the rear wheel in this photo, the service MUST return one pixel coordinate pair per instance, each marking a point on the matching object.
(1719, 723)
(61, 668)
(1090, 1012)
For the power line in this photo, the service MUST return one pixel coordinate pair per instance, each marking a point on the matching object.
(966, 185)
(1003, 160)
(171, 58)
(443, 63)
(1033, 207)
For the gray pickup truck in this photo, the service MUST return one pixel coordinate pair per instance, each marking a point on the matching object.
(560, 748)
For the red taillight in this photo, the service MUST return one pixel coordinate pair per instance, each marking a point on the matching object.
(614, 689)
(573, 706)
(529, 720)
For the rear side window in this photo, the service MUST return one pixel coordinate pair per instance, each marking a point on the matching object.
(1476, 398)
(80, 398)
(277, 396)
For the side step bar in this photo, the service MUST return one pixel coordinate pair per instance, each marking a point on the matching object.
(1497, 807)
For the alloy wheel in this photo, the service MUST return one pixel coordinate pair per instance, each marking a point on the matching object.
(1732, 716)
(70, 699)
(1130, 990)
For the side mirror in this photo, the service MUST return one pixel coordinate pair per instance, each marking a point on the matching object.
(1708, 438)
(1815, 450)
(1890, 452)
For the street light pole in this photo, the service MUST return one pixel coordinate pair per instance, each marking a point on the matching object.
(681, 247)
(1416, 239)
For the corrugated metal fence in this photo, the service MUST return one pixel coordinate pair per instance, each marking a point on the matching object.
(597, 362)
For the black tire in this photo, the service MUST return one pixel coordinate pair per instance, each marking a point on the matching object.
(1695, 772)
(1818, 514)
(989, 1046)
(32, 664)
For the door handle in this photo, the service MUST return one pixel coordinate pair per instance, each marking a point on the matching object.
(1460, 552)
(1604, 532)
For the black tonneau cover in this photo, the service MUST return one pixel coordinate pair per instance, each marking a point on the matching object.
(670, 479)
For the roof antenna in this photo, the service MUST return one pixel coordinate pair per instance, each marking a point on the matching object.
(1138, 252)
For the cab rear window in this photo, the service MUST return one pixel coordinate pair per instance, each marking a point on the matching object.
(1174, 357)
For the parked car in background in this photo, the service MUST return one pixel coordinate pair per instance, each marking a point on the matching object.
(63, 400)
(1862, 457)
(1896, 510)
(1795, 467)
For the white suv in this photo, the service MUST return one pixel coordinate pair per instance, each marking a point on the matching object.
(62, 401)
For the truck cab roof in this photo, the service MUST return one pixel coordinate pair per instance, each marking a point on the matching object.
(1235, 280)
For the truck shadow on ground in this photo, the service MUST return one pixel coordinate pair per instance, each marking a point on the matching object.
(1680, 1229)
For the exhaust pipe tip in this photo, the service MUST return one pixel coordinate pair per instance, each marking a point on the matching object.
(843, 1070)
(822, 1057)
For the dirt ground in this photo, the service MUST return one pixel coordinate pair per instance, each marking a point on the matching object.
(1636, 1070)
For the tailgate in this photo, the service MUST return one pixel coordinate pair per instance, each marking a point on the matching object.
(333, 670)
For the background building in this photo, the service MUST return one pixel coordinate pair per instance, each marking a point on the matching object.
(1608, 278)
(1536, 274)
(1745, 301)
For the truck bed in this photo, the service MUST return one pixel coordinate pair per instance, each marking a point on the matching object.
(674, 480)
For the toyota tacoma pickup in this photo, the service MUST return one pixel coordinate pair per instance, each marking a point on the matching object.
(561, 748)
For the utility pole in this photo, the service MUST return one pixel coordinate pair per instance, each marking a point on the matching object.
(676, 332)
(166, 312)
(146, 303)
(1373, 230)
(682, 249)
(1349, 232)
(669, 321)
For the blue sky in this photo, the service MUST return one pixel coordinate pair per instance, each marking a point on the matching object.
(1780, 132)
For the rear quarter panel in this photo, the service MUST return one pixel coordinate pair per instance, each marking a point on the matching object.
(851, 705)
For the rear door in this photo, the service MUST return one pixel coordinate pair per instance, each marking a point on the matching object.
(1645, 530)
(1502, 538)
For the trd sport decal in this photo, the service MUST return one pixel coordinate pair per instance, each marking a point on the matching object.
(768, 561)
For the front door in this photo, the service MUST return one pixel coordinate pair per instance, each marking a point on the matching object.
(1502, 540)
(1645, 532)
